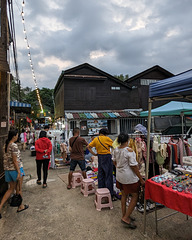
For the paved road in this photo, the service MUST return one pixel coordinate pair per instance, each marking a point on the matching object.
(57, 213)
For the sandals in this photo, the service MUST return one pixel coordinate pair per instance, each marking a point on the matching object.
(38, 182)
(132, 218)
(129, 225)
(44, 185)
(113, 199)
(25, 207)
(69, 187)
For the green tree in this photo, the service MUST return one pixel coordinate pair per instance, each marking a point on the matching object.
(14, 90)
(122, 77)
(27, 95)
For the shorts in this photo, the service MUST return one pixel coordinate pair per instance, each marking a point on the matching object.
(22, 172)
(11, 176)
(74, 163)
(129, 188)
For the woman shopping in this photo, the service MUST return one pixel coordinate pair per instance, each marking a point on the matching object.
(128, 178)
(43, 149)
(13, 168)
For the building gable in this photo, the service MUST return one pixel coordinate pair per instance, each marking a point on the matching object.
(86, 71)
(154, 73)
(89, 88)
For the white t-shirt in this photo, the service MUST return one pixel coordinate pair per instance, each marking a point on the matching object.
(124, 160)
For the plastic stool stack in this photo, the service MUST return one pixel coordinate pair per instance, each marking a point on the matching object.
(103, 194)
(76, 180)
(87, 186)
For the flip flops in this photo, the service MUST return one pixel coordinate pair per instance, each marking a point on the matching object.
(113, 199)
(38, 182)
(132, 218)
(129, 225)
(25, 207)
(44, 185)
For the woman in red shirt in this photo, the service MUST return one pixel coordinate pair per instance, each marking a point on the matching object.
(43, 149)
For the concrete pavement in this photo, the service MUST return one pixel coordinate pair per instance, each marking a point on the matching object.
(57, 213)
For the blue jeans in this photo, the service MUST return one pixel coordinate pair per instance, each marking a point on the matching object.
(105, 172)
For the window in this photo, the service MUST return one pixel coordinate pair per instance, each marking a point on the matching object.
(146, 82)
(115, 88)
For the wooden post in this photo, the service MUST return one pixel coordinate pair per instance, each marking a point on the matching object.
(148, 153)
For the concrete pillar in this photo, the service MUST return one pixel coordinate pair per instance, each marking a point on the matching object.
(118, 126)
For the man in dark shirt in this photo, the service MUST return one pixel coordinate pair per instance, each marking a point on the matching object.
(76, 147)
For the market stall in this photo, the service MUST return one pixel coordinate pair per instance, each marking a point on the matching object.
(170, 109)
(177, 87)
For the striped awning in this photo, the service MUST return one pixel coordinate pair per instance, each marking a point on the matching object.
(100, 115)
(19, 104)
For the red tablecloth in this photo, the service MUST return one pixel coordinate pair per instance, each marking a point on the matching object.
(179, 201)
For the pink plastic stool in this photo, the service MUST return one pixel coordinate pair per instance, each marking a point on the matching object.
(76, 180)
(100, 194)
(87, 186)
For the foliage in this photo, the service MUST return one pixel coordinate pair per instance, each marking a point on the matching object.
(122, 77)
(27, 95)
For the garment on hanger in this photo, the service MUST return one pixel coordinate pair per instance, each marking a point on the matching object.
(139, 149)
(132, 144)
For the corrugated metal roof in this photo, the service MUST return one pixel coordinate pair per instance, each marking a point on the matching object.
(101, 115)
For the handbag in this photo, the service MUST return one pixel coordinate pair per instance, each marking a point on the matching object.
(16, 200)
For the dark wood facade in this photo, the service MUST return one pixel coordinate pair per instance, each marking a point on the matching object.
(4, 86)
(140, 85)
(87, 88)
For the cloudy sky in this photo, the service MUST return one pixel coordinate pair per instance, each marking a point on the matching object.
(116, 36)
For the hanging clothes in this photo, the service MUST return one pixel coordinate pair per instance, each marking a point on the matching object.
(144, 149)
(132, 144)
(139, 149)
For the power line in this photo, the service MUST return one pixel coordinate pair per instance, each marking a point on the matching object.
(12, 29)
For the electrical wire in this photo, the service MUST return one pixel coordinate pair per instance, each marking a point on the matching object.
(12, 32)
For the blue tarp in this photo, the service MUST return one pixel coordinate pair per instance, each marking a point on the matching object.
(180, 84)
(170, 109)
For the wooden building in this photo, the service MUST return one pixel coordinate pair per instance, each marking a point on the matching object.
(4, 85)
(85, 95)
(140, 84)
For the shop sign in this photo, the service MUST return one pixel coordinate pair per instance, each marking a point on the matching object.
(95, 125)
(3, 124)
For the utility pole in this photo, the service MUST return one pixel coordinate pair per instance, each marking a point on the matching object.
(4, 86)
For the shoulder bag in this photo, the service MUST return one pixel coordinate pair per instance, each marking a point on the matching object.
(102, 144)
(74, 141)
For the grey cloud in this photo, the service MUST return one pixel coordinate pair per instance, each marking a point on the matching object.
(93, 29)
